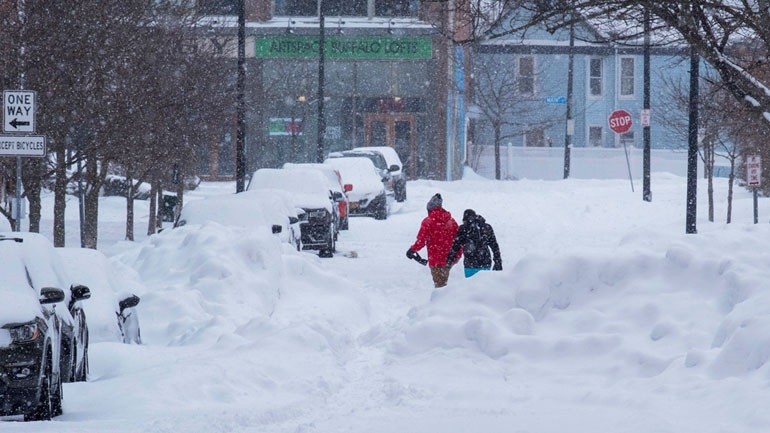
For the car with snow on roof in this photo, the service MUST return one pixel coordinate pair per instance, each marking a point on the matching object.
(39, 343)
(308, 190)
(368, 195)
(258, 209)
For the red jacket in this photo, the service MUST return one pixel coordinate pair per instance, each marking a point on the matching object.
(437, 231)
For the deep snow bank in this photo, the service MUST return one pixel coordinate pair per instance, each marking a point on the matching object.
(634, 310)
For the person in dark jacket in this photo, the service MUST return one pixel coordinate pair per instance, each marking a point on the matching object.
(476, 239)
(437, 231)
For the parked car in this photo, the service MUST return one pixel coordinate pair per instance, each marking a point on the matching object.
(308, 189)
(368, 195)
(263, 209)
(381, 167)
(38, 342)
(395, 167)
(334, 179)
(78, 371)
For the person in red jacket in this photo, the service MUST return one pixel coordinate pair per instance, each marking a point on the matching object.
(437, 231)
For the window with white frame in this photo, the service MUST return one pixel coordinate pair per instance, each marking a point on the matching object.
(627, 77)
(595, 76)
(525, 76)
(595, 136)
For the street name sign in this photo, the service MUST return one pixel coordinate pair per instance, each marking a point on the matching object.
(27, 145)
(620, 121)
(558, 100)
(18, 111)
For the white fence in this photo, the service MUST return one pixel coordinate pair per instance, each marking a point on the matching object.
(547, 163)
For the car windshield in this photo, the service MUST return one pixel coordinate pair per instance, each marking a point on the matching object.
(376, 158)
(19, 303)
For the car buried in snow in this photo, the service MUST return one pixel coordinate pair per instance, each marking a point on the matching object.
(308, 189)
(41, 344)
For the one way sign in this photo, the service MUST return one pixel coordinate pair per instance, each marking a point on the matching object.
(18, 111)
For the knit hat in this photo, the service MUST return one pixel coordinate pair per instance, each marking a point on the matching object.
(468, 215)
(435, 202)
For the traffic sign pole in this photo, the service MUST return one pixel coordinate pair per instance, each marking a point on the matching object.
(19, 117)
(620, 122)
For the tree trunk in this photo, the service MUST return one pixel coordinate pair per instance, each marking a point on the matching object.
(89, 236)
(60, 198)
(151, 224)
(179, 198)
(730, 181)
(32, 187)
(498, 133)
(709, 172)
(129, 207)
(159, 216)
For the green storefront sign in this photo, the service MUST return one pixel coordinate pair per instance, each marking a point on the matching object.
(345, 47)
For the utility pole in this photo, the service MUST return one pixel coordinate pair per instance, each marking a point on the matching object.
(692, 141)
(240, 141)
(320, 152)
(646, 191)
(570, 127)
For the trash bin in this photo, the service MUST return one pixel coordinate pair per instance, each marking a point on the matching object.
(167, 208)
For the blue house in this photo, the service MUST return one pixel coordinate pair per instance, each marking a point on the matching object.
(606, 77)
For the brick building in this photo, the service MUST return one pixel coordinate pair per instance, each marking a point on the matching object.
(390, 78)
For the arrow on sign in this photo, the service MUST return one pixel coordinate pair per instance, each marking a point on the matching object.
(16, 123)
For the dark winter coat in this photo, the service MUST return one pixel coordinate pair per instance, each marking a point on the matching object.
(476, 239)
(437, 231)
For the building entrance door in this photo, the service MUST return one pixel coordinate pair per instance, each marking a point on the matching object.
(396, 131)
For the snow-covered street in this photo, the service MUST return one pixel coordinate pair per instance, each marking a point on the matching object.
(607, 317)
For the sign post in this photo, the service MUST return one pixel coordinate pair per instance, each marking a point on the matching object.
(19, 118)
(754, 180)
(620, 122)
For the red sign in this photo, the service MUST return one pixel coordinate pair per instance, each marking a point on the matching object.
(620, 121)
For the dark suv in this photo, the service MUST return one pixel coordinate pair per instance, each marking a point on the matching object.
(38, 335)
(30, 335)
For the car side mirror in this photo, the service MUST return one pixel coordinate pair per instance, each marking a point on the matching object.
(394, 167)
(80, 292)
(51, 295)
(277, 229)
(348, 187)
(129, 302)
(293, 220)
(337, 196)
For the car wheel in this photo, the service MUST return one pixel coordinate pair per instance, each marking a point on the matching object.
(44, 409)
(56, 398)
(382, 212)
(81, 374)
(331, 246)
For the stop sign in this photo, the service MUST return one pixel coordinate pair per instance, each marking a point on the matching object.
(620, 121)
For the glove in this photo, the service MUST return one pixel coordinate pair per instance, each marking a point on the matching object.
(498, 266)
(409, 254)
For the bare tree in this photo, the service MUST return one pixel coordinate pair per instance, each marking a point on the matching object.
(712, 27)
(506, 103)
